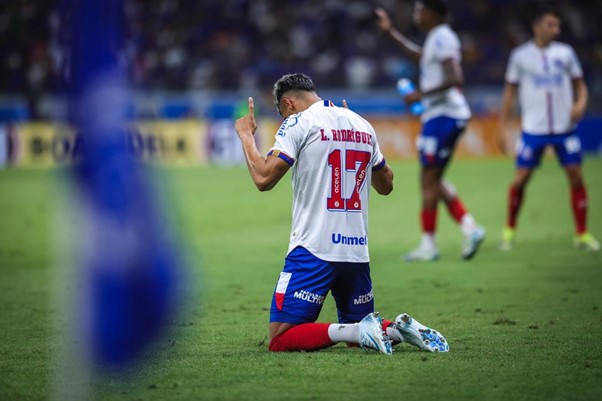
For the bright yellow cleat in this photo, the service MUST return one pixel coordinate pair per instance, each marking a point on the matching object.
(507, 240)
(588, 242)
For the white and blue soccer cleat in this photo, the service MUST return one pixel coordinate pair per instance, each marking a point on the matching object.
(419, 335)
(472, 242)
(422, 254)
(372, 335)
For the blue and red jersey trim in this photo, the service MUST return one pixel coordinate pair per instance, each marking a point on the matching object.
(282, 155)
(379, 165)
(328, 103)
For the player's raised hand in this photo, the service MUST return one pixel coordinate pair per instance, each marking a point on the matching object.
(384, 22)
(345, 105)
(246, 125)
(252, 108)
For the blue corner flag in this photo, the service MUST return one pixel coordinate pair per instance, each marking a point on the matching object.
(128, 268)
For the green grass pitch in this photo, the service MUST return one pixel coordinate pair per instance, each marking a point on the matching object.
(522, 325)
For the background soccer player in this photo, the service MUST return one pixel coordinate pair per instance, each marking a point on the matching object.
(335, 158)
(445, 116)
(552, 95)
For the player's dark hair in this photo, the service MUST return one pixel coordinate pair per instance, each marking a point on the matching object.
(542, 8)
(290, 82)
(439, 7)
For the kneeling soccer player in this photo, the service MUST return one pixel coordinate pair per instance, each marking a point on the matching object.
(335, 159)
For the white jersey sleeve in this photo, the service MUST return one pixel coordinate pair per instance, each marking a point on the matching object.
(447, 46)
(378, 160)
(288, 140)
(574, 66)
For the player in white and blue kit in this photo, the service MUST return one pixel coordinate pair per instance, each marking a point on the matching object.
(446, 114)
(553, 96)
(335, 158)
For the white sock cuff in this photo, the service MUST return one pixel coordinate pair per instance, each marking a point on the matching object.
(468, 224)
(344, 332)
(428, 241)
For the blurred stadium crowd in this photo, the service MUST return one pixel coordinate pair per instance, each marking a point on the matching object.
(243, 44)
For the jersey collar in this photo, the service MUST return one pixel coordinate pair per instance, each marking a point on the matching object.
(323, 103)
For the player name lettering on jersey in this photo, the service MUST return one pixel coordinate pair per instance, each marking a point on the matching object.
(309, 297)
(363, 299)
(347, 135)
(338, 238)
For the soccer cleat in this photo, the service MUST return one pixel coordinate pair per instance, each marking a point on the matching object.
(372, 335)
(472, 243)
(588, 242)
(507, 240)
(422, 254)
(419, 335)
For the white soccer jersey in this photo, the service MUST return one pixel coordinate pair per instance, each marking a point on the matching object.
(545, 88)
(441, 44)
(332, 151)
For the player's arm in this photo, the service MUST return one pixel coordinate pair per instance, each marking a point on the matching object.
(581, 95)
(508, 96)
(409, 48)
(507, 105)
(452, 76)
(382, 180)
(265, 172)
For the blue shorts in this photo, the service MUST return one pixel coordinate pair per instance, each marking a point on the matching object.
(305, 281)
(438, 139)
(529, 149)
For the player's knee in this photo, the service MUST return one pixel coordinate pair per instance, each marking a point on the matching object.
(277, 344)
(430, 198)
(576, 181)
(448, 189)
(575, 177)
(520, 181)
(518, 185)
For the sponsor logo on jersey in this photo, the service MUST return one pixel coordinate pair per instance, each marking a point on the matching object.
(309, 297)
(363, 299)
(289, 122)
(547, 81)
(558, 63)
(338, 238)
